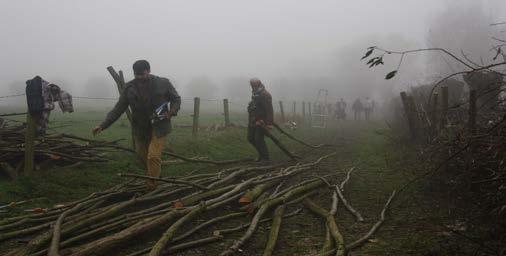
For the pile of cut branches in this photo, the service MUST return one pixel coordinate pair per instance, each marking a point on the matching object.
(63, 149)
(185, 212)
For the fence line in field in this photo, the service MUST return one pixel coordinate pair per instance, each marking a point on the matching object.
(11, 96)
(223, 108)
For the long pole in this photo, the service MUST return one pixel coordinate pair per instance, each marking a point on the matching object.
(282, 111)
(226, 112)
(29, 143)
(196, 108)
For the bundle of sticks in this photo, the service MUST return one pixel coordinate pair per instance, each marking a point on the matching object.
(60, 148)
(224, 208)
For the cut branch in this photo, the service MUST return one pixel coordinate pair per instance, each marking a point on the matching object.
(375, 227)
(331, 224)
(167, 180)
(273, 235)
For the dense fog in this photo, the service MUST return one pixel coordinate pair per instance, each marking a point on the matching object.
(211, 48)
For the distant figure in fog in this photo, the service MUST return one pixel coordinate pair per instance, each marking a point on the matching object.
(368, 107)
(357, 108)
(340, 111)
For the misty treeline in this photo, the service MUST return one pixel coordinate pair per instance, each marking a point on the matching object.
(455, 118)
(459, 27)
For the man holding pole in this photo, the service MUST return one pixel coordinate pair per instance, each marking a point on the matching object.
(261, 117)
(154, 101)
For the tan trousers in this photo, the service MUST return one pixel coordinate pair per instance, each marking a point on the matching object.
(149, 152)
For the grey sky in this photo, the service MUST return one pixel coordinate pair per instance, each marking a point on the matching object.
(75, 40)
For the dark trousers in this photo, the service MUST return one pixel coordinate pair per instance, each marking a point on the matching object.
(367, 114)
(357, 115)
(256, 138)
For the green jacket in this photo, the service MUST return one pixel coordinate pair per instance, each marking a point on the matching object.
(160, 90)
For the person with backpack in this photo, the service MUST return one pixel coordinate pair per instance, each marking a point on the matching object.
(40, 97)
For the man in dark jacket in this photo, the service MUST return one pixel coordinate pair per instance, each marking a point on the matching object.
(145, 94)
(260, 117)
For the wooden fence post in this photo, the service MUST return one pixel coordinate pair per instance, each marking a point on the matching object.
(29, 143)
(196, 107)
(444, 122)
(433, 113)
(310, 114)
(226, 113)
(444, 106)
(472, 112)
(294, 110)
(409, 114)
(282, 111)
(415, 119)
(303, 112)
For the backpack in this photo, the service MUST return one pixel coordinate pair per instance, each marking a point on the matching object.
(34, 95)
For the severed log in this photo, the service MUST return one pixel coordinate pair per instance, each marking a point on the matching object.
(371, 232)
(194, 243)
(243, 226)
(74, 225)
(104, 245)
(346, 179)
(167, 180)
(183, 246)
(329, 242)
(242, 171)
(331, 223)
(333, 207)
(350, 208)
(261, 201)
(256, 204)
(297, 140)
(23, 232)
(263, 209)
(98, 230)
(204, 161)
(339, 189)
(166, 238)
(302, 198)
(36, 217)
(273, 234)
(375, 227)
(237, 188)
(208, 223)
(278, 143)
(55, 242)
(253, 193)
(196, 197)
(25, 221)
(110, 223)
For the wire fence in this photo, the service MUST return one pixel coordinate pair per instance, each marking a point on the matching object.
(93, 109)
